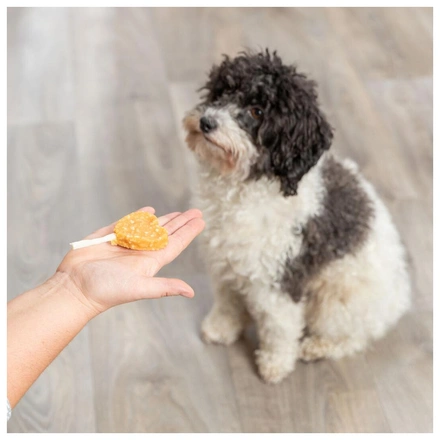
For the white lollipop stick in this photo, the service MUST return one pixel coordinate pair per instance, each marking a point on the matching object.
(91, 242)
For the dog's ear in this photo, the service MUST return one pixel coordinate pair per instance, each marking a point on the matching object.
(295, 136)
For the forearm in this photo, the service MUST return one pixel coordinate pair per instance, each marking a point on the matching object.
(41, 322)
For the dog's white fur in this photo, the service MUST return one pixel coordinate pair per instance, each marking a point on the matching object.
(247, 240)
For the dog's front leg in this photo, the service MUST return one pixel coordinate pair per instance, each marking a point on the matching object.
(280, 323)
(227, 318)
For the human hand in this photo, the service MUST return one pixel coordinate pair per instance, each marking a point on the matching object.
(105, 275)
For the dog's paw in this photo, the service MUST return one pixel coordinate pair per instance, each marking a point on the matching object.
(312, 348)
(274, 366)
(219, 329)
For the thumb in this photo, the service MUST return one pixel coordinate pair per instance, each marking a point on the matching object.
(160, 287)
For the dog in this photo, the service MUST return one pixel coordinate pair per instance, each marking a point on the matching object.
(296, 239)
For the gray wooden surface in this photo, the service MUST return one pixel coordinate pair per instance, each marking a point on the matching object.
(95, 102)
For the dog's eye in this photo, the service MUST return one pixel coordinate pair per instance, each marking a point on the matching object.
(256, 113)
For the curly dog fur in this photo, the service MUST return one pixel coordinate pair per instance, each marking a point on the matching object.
(296, 239)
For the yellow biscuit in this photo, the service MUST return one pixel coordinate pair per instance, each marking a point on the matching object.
(141, 231)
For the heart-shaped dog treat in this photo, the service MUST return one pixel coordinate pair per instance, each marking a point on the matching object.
(141, 231)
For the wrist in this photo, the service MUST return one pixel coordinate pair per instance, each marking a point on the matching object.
(67, 287)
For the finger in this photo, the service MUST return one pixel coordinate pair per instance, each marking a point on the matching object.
(149, 209)
(164, 219)
(161, 287)
(180, 220)
(109, 229)
(181, 238)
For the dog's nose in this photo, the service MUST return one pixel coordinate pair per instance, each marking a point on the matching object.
(207, 124)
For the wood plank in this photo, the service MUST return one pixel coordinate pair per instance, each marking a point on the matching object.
(40, 75)
(402, 368)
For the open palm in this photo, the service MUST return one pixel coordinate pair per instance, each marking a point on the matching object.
(109, 275)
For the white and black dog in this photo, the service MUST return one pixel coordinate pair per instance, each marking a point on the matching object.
(295, 239)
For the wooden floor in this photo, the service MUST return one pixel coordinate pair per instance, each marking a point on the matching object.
(95, 102)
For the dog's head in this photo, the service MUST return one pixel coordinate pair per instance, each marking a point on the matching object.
(259, 117)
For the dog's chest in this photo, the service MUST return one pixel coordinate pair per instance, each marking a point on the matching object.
(249, 229)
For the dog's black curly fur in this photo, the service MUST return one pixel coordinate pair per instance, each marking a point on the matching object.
(340, 229)
(293, 132)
